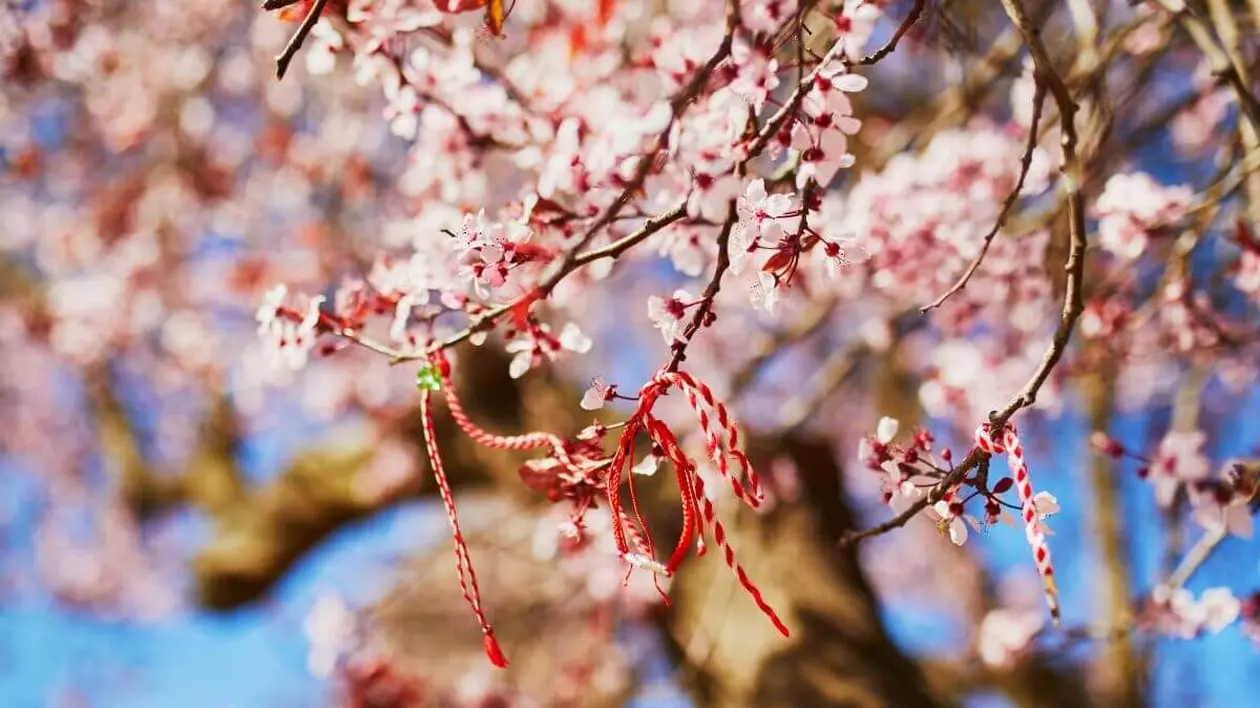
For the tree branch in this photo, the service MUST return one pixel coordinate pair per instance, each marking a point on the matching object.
(299, 37)
(1073, 302)
(1039, 95)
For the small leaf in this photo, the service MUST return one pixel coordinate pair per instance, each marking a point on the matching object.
(428, 378)
(781, 259)
(1003, 485)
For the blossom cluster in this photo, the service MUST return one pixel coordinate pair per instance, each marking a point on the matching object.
(1133, 208)
(909, 474)
(1176, 611)
(1221, 502)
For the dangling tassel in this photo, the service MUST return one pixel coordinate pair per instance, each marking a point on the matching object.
(463, 561)
(1023, 485)
(493, 651)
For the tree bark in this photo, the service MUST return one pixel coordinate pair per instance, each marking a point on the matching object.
(839, 653)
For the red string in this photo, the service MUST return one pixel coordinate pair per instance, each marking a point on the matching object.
(463, 561)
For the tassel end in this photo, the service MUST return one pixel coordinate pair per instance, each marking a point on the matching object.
(494, 652)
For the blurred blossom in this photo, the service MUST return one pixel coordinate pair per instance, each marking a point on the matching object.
(330, 629)
(1005, 635)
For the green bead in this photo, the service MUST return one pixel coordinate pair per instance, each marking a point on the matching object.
(428, 378)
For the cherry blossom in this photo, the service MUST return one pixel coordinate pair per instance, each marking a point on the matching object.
(822, 142)
(951, 518)
(856, 23)
(1177, 612)
(886, 430)
(669, 314)
(1134, 205)
(756, 73)
(538, 344)
(1179, 460)
(286, 342)
(762, 218)
(1224, 504)
(597, 394)
(1005, 635)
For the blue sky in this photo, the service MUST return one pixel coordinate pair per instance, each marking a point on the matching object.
(255, 657)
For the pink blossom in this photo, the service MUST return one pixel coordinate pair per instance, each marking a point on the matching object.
(668, 314)
(762, 218)
(886, 429)
(597, 394)
(765, 15)
(321, 53)
(856, 23)
(711, 195)
(1179, 460)
(951, 518)
(1176, 612)
(756, 73)
(1134, 205)
(822, 140)
(287, 344)
(765, 292)
(1006, 634)
(1224, 504)
(536, 345)
(842, 252)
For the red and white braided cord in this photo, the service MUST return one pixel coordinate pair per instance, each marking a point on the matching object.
(463, 561)
(477, 434)
(728, 554)
(697, 391)
(1010, 445)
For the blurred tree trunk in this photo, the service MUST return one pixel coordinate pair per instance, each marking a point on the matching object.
(839, 653)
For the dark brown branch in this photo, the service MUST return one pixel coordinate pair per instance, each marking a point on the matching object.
(295, 42)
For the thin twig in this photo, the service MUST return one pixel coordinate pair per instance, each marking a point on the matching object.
(1039, 96)
(295, 42)
(487, 319)
(911, 17)
(1218, 61)
(710, 292)
(1195, 557)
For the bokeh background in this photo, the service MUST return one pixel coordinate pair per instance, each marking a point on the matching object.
(183, 525)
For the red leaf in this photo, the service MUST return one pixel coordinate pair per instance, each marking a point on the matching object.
(780, 260)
